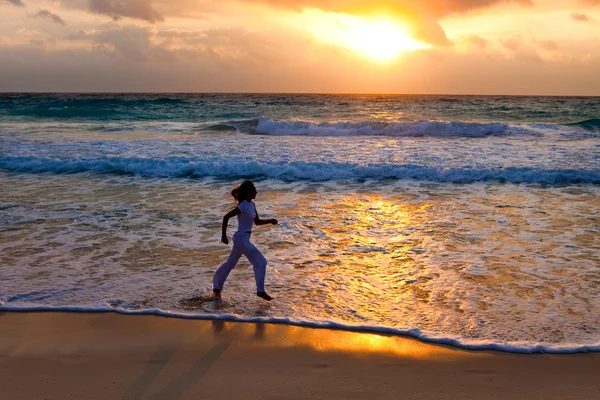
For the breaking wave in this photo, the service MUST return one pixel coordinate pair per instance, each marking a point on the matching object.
(182, 167)
(589, 124)
(266, 126)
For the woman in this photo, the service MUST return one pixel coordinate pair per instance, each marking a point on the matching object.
(247, 215)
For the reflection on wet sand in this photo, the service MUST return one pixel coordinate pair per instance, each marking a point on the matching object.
(112, 356)
(88, 328)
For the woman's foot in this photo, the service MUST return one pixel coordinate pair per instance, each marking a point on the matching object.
(216, 293)
(264, 295)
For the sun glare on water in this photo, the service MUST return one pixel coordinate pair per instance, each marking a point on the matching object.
(380, 40)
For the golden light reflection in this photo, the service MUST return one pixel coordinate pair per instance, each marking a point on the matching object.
(83, 333)
(370, 253)
(378, 251)
(330, 340)
(375, 222)
(379, 39)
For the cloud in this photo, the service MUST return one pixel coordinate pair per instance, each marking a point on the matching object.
(232, 60)
(420, 17)
(522, 49)
(147, 45)
(133, 42)
(30, 68)
(547, 45)
(442, 8)
(434, 8)
(79, 35)
(117, 9)
(235, 44)
(174, 33)
(580, 17)
(45, 14)
(258, 48)
(513, 43)
(476, 41)
(24, 32)
(16, 2)
(134, 58)
(590, 2)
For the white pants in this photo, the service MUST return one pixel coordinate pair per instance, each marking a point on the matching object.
(242, 245)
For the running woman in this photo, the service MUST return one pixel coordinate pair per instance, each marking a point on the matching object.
(247, 215)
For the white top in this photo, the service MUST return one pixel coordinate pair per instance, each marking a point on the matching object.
(246, 216)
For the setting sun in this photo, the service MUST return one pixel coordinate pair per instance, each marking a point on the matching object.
(380, 39)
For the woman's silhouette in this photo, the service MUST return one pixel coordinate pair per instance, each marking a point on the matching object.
(247, 215)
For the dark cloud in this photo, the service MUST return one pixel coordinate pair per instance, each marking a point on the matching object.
(16, 2)
(580, 17)
(117, 9)
(45, 14)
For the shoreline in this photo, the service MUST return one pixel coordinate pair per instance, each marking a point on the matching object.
(414, 333)
(111, 355)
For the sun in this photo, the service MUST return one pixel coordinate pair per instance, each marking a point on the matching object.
(378, 39)
(381, 41)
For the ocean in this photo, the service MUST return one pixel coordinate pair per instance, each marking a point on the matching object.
(467, 220)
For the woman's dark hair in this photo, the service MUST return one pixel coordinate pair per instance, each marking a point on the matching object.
(243, 190)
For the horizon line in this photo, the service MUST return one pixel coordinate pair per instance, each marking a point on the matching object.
(300, 93)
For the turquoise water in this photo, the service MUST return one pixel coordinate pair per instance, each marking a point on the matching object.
(230, 107)
(471, 220)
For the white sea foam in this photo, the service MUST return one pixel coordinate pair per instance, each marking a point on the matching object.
(176, 167)
(516, 347)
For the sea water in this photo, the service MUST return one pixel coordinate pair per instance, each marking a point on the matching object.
(471, 220)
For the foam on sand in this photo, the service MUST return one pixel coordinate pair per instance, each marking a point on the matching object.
(517, 347)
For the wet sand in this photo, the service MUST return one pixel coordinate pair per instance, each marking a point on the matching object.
(58, 355)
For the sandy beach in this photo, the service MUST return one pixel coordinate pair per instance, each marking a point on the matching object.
(60, 355)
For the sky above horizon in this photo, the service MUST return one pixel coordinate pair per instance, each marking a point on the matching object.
(521, 47)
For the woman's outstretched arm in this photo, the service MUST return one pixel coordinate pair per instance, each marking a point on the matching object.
(259, 221)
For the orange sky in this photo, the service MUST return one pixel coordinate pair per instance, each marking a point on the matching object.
(319, 46)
